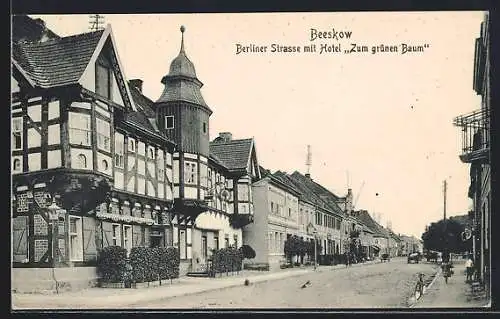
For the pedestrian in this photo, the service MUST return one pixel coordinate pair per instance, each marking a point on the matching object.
(468, 269)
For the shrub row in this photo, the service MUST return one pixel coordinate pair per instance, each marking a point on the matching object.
(143, 265)
(226, 260)
(112, 264)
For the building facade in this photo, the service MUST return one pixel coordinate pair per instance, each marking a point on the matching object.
(475, 151)
(78, 147)
(118, 168)
(276, 206)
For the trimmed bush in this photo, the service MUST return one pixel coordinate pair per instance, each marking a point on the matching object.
(226, 260)
(247, 251)
(168, 263)
(144, 264)
(111, 264)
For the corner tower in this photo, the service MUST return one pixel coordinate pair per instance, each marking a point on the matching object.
(183, 116)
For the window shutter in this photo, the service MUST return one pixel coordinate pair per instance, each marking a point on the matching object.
(20, 238)
(136, 236)
(89, 238)
(107, 230)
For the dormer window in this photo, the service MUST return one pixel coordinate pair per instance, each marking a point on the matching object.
(169, 122)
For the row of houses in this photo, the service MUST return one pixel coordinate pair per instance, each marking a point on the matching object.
(96, 163)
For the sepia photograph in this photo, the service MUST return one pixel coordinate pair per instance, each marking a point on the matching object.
(287, 160)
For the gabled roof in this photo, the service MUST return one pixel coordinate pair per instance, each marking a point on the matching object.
(58, 61)
(51, 61)
(283, 178)
(364, 217)
(233, 154)
(317, 192)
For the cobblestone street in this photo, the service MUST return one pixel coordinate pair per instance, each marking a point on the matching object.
(379, 285)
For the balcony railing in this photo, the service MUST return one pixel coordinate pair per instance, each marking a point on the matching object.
(475, 135)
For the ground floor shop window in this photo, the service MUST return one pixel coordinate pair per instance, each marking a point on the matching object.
(75, 238)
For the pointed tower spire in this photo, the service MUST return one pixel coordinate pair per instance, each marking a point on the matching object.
(183, 28)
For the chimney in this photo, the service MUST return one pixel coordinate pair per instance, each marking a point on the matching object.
(137, 83)
(226, 136)
(308, 175)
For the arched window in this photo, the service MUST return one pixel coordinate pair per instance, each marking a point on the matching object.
(17, 165)
(82, 161)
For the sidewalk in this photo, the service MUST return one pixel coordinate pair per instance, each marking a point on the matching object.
(452, 295)
(110, 298)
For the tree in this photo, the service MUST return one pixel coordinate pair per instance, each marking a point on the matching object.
(446, 237)
(247, 251)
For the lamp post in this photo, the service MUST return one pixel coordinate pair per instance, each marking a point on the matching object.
(315, 249)
(53, 214)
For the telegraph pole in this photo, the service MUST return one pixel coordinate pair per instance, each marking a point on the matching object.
(444, 220)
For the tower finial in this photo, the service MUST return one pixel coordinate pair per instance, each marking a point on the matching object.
(183, 28)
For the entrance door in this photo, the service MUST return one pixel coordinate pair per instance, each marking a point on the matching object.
(155, 241)
(204, 247)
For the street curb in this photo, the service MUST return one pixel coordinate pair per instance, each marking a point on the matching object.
(263, 280)
(157, 297)
(426, 288)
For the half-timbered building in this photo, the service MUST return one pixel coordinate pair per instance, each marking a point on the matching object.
(86, 141)
(119, 168)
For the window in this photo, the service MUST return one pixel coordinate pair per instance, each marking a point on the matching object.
(79, 128)
(289, 212)
(117, 241)
(226, 241)
(169, 121)
(104, 165)
(243, 192)
(16, 165)
(81, 161)
(216, 242)
(119, 151)
(190, 174)
(204, 247)
(235, 238)
(103, 135)
(161, 170)
(103, 80)
(75, 238)
(204, 128)
(127, 238)
(210, 183)
(17, 133)
(151, 153)
(131, 145)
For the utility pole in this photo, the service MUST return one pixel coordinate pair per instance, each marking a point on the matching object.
(444, 220)
(96, 22)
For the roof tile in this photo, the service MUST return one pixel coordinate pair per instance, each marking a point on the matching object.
(233, 154)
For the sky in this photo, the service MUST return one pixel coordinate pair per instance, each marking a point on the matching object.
(380, 123)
